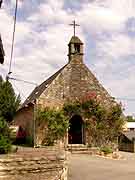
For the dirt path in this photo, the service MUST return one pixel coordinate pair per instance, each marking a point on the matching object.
(86, 167)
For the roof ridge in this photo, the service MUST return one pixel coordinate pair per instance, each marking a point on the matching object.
(39, 89)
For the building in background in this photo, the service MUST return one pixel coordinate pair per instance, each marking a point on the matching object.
(129, 126)
(126, 139)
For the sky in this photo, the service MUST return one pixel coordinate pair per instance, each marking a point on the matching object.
(107, 28)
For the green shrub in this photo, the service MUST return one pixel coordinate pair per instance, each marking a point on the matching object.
(56, 122)
(4, 129)
(106, 149)
(5, 145)
(29, 141)
(49, 140)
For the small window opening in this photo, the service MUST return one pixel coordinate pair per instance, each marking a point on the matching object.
(131, 129)
(77, 48)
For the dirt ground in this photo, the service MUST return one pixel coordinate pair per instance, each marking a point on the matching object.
(86, 167)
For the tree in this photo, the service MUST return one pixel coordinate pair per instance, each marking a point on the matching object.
(9, 102)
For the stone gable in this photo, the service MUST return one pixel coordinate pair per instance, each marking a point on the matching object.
(71, 84)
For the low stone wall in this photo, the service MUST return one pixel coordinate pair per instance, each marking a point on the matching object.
(93, 151)
(33, 166)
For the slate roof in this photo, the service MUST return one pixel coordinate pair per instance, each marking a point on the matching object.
(1, 52)
(40, 89)
(76, 40)
(130, 135)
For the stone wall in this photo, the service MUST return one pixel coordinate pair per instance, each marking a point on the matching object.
(71, 84)
(43, 167)
(24, 118)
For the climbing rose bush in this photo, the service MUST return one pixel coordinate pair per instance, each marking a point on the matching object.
(102, 124)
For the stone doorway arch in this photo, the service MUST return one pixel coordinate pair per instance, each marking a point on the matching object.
(76, 130)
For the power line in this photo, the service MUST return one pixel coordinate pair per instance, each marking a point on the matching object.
(21, 80)
(19, 91)
(33, 83)
(125, 98)
(14, 28)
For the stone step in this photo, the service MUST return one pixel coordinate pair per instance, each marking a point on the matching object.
(30, 168)
(33, 163)
(16, 166)
(77, 147)
(25, 167)
(82, 152)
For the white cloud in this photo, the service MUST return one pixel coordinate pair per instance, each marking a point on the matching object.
(41, 41)
(115, 47)
(124, 8)
(100, 18)
(50, 12)
(20, 3)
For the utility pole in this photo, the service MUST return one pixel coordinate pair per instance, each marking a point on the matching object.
(34, 123)
(2, 53)
(1, 3)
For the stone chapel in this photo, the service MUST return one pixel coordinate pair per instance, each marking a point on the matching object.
(69, 83)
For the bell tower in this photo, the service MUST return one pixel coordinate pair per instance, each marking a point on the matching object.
(75, 47)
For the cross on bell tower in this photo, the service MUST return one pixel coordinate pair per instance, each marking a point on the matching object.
(74, 26)
(75, 50)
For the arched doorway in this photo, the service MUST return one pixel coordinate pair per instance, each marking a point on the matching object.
(76, 130)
